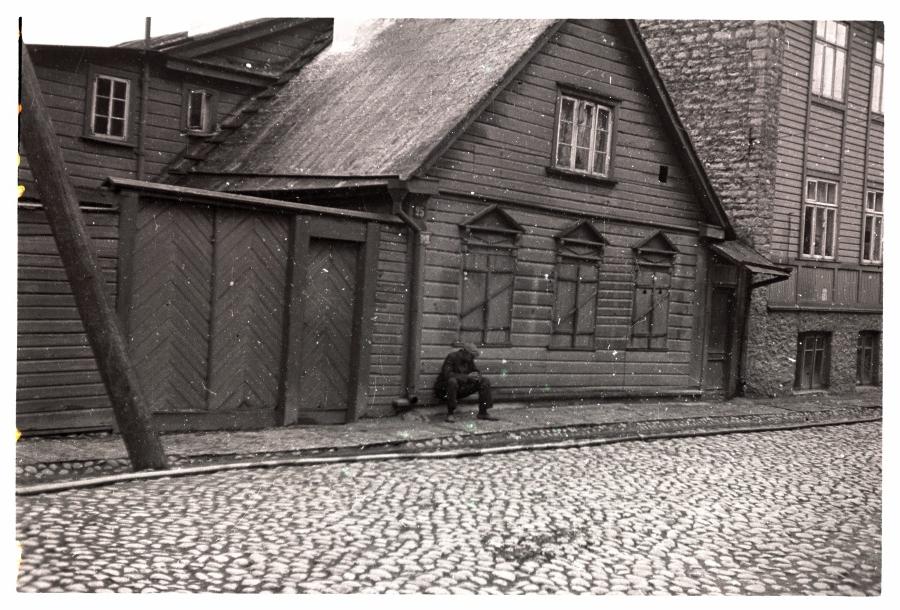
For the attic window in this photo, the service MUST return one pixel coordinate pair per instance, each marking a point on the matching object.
(199, 110)
(584, 136)
(109, 110)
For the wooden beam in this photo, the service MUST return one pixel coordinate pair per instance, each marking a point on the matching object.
(292, 369)
(82, 269)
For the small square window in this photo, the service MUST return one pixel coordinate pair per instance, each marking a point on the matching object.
(584, 131)
(109, 108)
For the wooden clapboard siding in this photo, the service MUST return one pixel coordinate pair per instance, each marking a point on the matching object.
(389, 324)
(505, 152)
(56, 370)
(844, 144)
(171, 304)
(64, 79)
(270, 53)
(528, 361)
(249, 274)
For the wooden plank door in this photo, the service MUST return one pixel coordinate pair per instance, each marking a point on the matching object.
(719, 333)
(330, 308)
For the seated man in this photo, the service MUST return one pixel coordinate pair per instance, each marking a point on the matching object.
(459, 377)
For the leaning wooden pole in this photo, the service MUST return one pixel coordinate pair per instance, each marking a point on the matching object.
(75, 248)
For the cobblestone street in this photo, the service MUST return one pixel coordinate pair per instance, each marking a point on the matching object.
(789, 512)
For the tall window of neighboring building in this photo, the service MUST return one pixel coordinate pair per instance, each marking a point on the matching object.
(813, 360)
(109, 113)
(829, 59)
(878, 77)
(819, 218)
(199, 110)
(583, 136)
(867, 357)
(873, 227)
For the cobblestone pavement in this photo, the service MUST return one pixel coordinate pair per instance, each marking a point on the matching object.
(789, 512)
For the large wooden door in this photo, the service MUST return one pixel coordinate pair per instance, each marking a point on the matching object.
(330, 304)
(719, 348)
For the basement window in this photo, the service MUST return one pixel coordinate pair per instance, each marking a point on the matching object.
(813, 360)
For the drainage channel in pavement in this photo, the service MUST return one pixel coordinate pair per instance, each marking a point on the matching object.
(79, 470)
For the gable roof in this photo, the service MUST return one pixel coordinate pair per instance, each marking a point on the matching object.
(389, 106)
(382, 106)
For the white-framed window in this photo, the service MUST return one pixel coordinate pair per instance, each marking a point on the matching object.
(878, 78)
(109, 108)
(199, 111)
(829, 59)
(819, 218)
(583, 136)
(873, 227)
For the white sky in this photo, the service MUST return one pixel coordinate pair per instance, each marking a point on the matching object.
(71, 24)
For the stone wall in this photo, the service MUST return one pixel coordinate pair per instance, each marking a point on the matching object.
(771, 362)
(724, 78)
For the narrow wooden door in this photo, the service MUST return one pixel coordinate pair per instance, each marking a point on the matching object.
(330, 299)
(718, 349)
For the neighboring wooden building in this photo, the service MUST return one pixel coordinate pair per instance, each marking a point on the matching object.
(523, 184)
(789, 120)
(127, 113)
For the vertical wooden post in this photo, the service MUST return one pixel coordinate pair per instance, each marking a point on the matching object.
(83, 272)
(292, 371)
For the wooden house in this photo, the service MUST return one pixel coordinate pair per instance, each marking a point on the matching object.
(788, 117)
(137, 113)
(523, 184)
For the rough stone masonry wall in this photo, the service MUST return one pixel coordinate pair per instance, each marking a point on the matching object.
(724, 77)
(774, 374)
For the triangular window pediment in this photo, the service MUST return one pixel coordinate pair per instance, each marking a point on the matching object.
(656, 249)
(493, 226)
(581, 240)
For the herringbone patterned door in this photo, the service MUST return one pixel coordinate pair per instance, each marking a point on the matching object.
(330, 298)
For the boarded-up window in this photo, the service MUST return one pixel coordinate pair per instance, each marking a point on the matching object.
(576, 278)
(488, 278)
(487, 289)
(650, 314)
(654, 258)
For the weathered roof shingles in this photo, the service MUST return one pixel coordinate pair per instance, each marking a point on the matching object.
(382, 106)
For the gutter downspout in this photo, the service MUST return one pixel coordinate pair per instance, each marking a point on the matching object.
(145, 91)
(416, 273)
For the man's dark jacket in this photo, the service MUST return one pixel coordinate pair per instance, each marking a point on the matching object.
(457, 365)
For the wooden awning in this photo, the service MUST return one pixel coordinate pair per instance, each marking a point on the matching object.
(741, 254)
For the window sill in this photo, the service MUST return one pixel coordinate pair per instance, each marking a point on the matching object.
(829, 102)
(555, 348)
(573, 175)
(867, 388)
(101, 140)
(200, 134)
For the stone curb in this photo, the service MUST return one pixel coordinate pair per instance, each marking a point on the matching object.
(76, 472)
